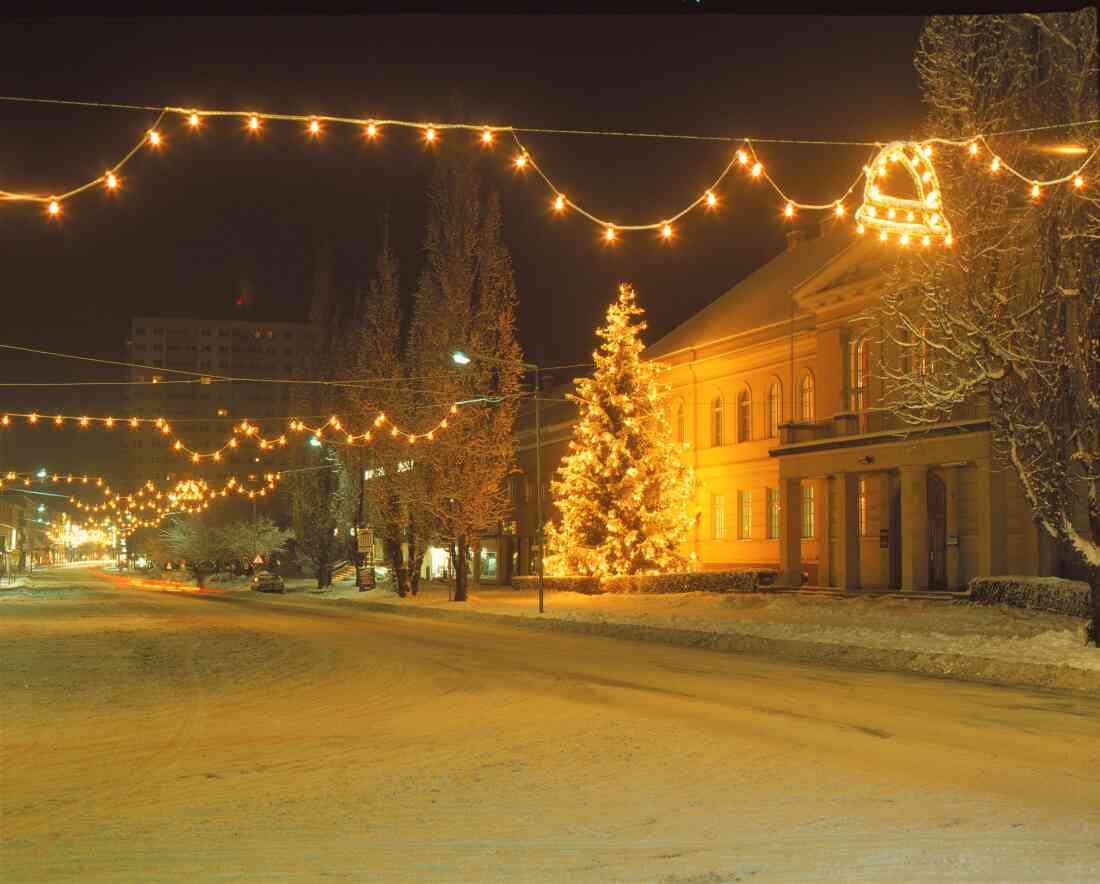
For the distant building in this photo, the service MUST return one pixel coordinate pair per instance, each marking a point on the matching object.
(203, 411)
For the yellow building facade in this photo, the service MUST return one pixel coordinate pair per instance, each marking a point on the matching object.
(777, 400)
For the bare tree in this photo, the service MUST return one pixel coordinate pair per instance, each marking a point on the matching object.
(465, 301)
(1011, 314)
(247, 539)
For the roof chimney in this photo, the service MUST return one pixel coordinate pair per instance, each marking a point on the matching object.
(794, 237)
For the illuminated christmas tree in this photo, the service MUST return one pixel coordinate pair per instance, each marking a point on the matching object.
(624, 493)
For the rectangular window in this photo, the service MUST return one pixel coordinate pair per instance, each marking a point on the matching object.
(773, 513)
(807, 509)
(718, 516)
(862, 507)
(744, 510)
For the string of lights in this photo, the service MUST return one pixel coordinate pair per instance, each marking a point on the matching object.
(746, 156)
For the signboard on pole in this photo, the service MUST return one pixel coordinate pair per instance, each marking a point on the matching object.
(258, 560)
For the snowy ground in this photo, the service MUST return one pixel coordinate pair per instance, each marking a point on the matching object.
(930, 631)
(167, 735)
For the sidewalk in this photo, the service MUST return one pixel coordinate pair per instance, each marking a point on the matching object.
(942, 636)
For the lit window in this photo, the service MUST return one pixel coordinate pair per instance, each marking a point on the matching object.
(716, 421)
(775, 408)
(223, 412)
(773, 513)
(718, 516)
(744, 416)
(807, 509)
(806, 398)
(857, 373)
(862, 507)
(744, 511)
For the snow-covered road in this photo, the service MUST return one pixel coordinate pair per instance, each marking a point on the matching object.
(169, 736)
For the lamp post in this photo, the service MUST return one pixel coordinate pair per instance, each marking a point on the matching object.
(461, 358)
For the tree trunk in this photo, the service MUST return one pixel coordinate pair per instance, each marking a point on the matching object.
(416, 561)
(397, 565)
(1093, 630)
(460, 568)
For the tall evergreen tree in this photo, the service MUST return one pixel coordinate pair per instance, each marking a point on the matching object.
(624, 493)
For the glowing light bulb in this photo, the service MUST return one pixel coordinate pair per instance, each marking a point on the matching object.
(83, 422)
(789, 211)
(54, 208)
(372, 130)
(926, 177)
(1078, 182)
(840, 210)
(393, 432)
(875, 191)
(891, 213)
(454, 409)
(609, 233)
(443, 423)
(6, 421)
(57, 420)
(314, 127)
(934, 221)
(559, 203)
(154, 138)
(429, 135)
(1035, 191)
(133, 422)
(860, 229)
(742, 157)
(757, 168)
(217, 455)
(932, 199)
(973, 148)
(711, 200)
(666, 231)
(521, 161)
(110, 180)
(905, 239)
(882, 236)
(948, 240)
(872, 211)
(254, 123)
(412, 438)
(194, 120)
(33, 418)
(925, 240)
(487, 137)
(927, 151)
(909, 217)
(995, 165)
(178, 445)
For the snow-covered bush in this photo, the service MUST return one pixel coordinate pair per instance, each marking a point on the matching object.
(1053, 594)
(682, 581)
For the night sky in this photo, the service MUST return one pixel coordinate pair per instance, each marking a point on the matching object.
(212, 209)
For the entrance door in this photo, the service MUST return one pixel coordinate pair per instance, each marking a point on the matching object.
(937, 532)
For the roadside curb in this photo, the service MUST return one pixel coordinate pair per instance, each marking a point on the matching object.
(951, 666)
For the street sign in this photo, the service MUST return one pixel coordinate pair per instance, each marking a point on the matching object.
(259, 560)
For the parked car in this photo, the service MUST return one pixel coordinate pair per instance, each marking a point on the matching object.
(265, 581)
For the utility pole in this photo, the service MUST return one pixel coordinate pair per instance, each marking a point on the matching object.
(538, 481)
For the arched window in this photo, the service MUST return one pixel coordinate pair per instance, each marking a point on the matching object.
(806, 398)
(678, 420)
(744, 416)
(857, 374)
(774, 410)
(716, 420)
(924, 354)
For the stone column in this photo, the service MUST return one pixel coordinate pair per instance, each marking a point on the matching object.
(880, 483)
(991, 519)
(821, 501)
(914, 527)
(951, 484)
(790, 532)
(847, 559)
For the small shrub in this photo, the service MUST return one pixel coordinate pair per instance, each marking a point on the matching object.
(1053, 594)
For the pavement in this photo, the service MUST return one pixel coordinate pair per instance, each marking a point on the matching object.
(156, 735)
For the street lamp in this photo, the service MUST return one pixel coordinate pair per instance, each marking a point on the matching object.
(461, 358)
(314, 441)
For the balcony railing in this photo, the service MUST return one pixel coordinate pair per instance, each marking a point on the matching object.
(872, 420)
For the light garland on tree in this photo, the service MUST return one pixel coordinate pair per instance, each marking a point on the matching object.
(745, 157)
(624, 493)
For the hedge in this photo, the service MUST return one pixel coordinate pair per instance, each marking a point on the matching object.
(688, 581)
(1053, 594)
